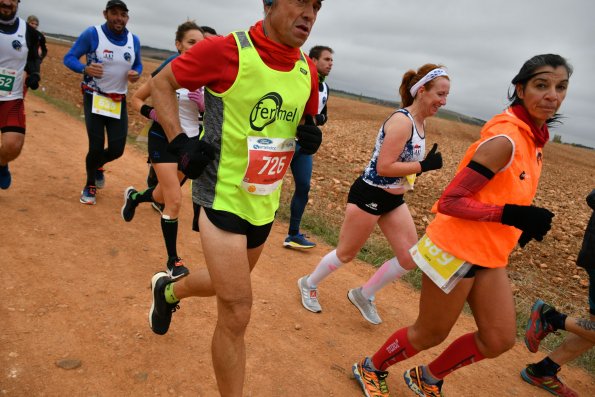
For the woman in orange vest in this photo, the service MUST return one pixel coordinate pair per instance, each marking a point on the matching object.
(484, 211)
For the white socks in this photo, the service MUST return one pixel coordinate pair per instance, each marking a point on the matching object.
(327, 265)
(389, 271)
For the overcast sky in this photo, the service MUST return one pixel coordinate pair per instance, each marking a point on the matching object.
(483, 43)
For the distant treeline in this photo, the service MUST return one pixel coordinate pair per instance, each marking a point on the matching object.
(442, 113)
(579, 145)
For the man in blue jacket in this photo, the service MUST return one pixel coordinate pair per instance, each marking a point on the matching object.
(112, 61)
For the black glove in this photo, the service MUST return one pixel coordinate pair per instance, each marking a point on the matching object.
(433, 160)
(145, 110)
(32, 81)
(535, 222)
(524, 239)
(591, 199)
(309, 137)
(320, 119)
(193, 154)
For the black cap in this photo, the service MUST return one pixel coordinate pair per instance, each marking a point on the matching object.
(116, 3)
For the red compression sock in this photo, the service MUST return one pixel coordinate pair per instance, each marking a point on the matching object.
(460, 353)
(396, 348)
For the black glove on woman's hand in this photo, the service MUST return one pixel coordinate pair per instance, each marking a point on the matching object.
(433, 160)
(535, 222)
(193, 155)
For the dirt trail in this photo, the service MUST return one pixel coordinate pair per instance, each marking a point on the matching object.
(75, 285)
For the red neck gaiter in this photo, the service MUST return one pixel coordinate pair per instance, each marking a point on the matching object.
(540, 135)
(272, 53)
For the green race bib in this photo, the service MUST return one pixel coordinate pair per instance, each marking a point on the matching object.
(7, 78)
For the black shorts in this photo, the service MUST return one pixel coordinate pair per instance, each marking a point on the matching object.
(255, 235)
(372, 199)
(474, 269)
(157, 146)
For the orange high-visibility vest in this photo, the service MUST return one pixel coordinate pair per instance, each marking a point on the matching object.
(489, 244)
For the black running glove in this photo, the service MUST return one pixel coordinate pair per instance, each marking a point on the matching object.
(591, 199)
(145, 110)
(193, 155)
(32, 81)
(309, 137)
(535, 222)
(433, 160)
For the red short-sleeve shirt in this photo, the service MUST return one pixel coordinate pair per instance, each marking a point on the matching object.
(214, 62)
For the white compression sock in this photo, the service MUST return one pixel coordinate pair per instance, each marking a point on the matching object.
(389, 271)
(327, 265)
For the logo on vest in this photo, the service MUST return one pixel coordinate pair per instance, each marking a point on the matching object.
(17, 45)
(417, 150)
(269, 109)
(109, 55)
(263, 144)
(268, 144)
(127, 57)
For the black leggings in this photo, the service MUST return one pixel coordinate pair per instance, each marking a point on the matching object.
(97, 125)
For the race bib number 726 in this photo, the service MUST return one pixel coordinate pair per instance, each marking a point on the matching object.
(268, 161)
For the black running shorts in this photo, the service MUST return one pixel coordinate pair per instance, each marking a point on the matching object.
(157, 146)
(474, 269)
(372, 199)
(255, 235)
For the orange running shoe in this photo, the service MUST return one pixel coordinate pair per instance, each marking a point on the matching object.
(416, 383)
(372, 382)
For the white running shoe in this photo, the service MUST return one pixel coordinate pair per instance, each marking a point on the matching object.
(365, 306)
(309, 295)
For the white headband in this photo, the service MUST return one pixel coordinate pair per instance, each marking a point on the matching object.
(428, 77)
